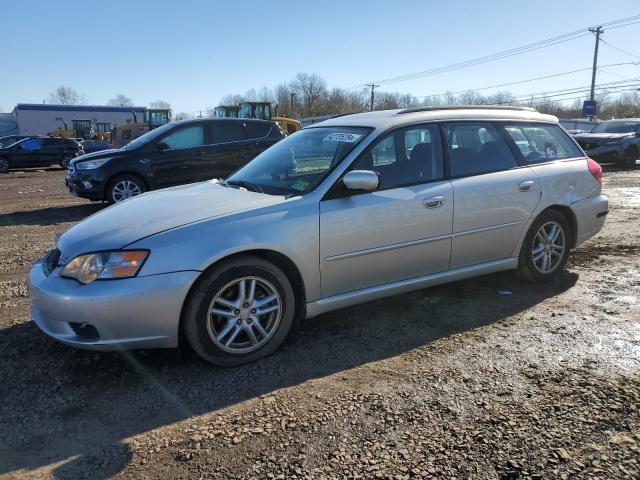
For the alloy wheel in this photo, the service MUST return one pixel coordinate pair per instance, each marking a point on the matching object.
(244, 315)
(125, 189)
(548, 247)
(4, 165)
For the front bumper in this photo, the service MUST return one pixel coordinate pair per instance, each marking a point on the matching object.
(605, 154)
(84, 185)
(139, 312)
(590, 214)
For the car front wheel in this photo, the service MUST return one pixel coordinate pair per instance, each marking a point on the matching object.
(546, 246)
(123, 187)
(5, 165)
(239, 312)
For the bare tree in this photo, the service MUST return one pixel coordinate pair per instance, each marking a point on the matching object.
(310, 89)
(65, 95)
(120, 100)
(160, 104)
(234, 99)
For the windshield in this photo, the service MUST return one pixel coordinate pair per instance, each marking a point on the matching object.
(297, 164)
(147, 137)
(617, 127)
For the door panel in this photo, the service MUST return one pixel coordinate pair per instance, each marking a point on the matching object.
(490, 215)
(172, 167)
(385, 236)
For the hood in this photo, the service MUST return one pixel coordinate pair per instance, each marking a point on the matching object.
(95, 155)
(601, 137)
(154, 212)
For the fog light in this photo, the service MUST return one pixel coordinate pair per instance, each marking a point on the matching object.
(86, 184)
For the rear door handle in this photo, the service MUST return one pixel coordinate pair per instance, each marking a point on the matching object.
(434, 202)
(526, 186)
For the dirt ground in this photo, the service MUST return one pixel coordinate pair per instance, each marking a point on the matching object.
(458, 381)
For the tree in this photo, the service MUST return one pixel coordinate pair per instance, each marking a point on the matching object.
(161, 104)
(121, 100)
(310, 89)
(65, 95)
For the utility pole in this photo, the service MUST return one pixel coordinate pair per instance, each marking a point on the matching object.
(597, 31)
(373, 87)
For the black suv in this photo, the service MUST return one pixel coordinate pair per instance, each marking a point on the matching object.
(174, 154)
(38, 152)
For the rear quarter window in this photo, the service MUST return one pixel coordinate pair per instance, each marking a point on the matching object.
(257, 130)
(542, 143)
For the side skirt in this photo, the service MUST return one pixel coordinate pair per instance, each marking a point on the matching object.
(380, 291)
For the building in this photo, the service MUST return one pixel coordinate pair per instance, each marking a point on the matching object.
(40, 119)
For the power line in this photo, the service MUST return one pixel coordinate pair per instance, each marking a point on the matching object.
(619, 49)
(500, 55)
(580, 97)
(525, 81)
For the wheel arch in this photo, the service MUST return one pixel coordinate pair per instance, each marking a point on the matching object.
(279, 259)
(569, 216)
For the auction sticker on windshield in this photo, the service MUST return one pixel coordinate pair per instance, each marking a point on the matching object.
(343, 137)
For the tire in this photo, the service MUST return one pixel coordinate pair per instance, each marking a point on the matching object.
(535, 249)
(224, 340)
(119, 185)
(64, 163)
(5, 165)
(630, 157)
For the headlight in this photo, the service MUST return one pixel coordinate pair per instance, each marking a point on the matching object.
(105, 265)
(91, 164)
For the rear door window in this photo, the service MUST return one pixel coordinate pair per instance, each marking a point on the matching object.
(228, 131)
(187, 137)
(477, 148)
(542, 143)
(32, 144)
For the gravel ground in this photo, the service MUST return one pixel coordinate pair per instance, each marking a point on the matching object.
(457, 381)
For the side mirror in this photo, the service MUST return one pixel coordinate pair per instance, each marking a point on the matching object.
(162, 146)
(364, 180)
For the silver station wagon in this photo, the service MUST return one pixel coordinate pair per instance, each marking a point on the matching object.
(353, 209)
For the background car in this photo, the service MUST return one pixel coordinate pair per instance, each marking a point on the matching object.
(38, 152)
(613, 141)
(90, 146)
(174, 154)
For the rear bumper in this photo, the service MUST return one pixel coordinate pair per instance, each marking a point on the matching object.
(591, 214)
(140, 312)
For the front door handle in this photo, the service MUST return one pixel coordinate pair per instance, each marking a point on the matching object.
(526, 186)
(434, 202)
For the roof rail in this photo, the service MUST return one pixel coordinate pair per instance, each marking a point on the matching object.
(466, 107)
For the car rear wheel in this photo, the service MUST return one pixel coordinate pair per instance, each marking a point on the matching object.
(546, 247)
(5, 165)
(123, 187)
(239, 312)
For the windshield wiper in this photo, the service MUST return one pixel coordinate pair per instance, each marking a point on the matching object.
(254, 187)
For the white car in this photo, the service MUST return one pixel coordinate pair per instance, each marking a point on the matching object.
(345, 211)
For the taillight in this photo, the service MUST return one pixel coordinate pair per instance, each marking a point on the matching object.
(595, 170)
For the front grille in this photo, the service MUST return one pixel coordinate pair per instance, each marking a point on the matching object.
(51, 260)
(85, 331)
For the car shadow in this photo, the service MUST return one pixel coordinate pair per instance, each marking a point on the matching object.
(50, 215)
(75, 408)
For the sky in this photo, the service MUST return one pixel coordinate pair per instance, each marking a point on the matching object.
(192, 53)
